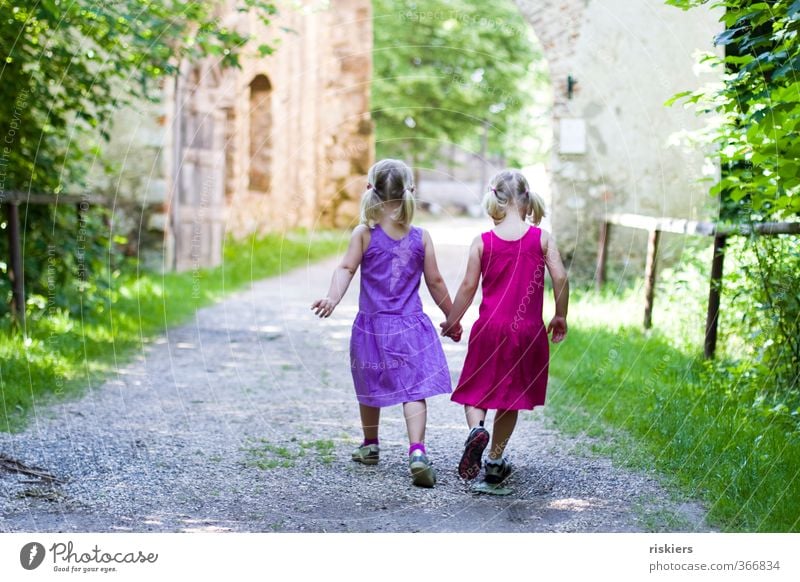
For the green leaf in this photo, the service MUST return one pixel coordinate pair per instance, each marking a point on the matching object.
(726, 37)
(669, 102)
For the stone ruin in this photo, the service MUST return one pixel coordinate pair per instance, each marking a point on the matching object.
(282, 142)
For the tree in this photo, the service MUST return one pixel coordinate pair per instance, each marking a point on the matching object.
(443, 69)
(756, 129)
(757, 107)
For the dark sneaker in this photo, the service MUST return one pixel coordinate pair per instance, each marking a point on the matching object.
(422, 474)
(496, 473)
(476, 442)
(367, 454)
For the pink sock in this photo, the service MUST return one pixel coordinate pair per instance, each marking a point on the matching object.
(369, 442)
(416, 447)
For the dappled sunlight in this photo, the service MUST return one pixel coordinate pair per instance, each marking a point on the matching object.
(609, 312)
(208, 528)
(571, 504)
(266, 329)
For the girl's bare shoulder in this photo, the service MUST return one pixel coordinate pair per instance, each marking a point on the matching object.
(476, 247)
(362, 233)
(546, 240)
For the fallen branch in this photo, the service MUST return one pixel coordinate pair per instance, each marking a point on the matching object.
(15, 466)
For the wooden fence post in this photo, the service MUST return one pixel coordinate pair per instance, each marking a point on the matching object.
(15, 272)
(714, 293)
(650, 276)
(81, 208)
(602, 256)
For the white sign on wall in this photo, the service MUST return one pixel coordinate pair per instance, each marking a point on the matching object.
(572, 134)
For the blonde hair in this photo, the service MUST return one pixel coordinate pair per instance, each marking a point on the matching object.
(388, 181)
(510, 186)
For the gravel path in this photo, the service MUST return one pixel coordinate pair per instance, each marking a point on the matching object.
(244, 420)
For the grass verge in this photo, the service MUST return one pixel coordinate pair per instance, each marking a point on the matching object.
(63, 355)
(653, 405)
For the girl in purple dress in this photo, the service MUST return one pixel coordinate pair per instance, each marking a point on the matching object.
(508, 352)
(396, 356)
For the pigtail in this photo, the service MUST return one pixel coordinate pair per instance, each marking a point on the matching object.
(370, 206)
(494, 204)
(405, 214)
(535, 207)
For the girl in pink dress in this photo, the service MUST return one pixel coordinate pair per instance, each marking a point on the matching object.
(508, 352)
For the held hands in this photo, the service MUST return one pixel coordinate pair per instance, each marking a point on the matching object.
(558, 327)
(453, 331)
(323, 307)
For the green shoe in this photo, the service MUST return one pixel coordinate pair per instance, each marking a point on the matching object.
(422, 473)
(367, 454)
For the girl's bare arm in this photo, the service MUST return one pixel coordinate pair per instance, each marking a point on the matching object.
(558, 274)
(469, 286)
(343, 274)
(433, 278)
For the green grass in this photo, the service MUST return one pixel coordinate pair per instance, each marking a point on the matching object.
(652, 403)
(263, 454)
(64, 355)
(324, 448)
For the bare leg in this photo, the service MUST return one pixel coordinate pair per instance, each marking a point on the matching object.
(474, 415)
(422, 474)
(416, 414)
(504, 423)
(370, 417)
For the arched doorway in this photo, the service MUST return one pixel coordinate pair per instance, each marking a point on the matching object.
(260, 134)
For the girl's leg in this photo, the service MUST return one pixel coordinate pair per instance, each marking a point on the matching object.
(416, 414)
(504, 423)
(475, 416)
(370, 417)
(422, 474)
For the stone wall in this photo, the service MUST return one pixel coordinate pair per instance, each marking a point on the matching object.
(627, 58)
(348, 147)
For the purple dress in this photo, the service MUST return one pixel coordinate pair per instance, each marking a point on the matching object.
(395, 353)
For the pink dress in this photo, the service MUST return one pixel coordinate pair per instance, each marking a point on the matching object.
(508, 351)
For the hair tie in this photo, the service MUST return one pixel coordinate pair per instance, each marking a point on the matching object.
(493, 189)
(369, 186)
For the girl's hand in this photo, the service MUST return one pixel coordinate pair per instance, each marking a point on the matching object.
(323, 307)
(558, 327)
(451, 330)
